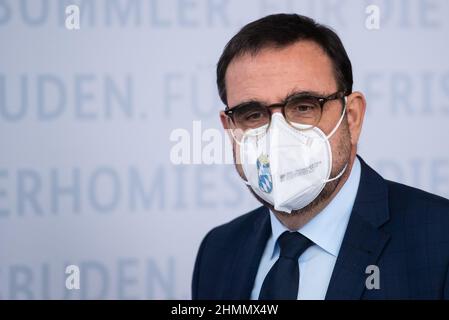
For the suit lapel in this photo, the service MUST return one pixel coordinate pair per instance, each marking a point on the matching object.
(364, 240)
(360, 248)
(247, 258)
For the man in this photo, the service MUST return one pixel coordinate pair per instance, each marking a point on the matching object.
(330, 227)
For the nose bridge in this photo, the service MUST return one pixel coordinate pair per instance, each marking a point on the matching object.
(275, 108)
(276, 114)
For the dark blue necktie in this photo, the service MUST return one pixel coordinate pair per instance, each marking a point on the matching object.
(281, 282)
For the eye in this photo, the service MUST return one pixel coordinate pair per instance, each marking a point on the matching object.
(252, 113)
(253, 116)
(303, 108)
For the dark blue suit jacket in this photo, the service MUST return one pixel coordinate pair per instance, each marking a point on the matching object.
(402, 230)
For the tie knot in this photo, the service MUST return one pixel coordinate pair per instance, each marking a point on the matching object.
(293, 244)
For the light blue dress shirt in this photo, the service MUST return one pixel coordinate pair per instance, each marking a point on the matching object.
(326, 230)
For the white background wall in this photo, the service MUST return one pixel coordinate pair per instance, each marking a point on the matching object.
(85, 120)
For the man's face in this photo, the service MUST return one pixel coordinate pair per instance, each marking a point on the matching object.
(271, 75)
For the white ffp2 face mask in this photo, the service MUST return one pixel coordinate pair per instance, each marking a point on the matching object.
(286, 167)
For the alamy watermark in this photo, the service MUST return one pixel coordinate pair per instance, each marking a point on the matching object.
(373, 279)
(209, 146)
(372, 21)
(72, 20)
(72, 282)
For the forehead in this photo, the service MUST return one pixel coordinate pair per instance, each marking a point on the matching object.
(273, 73)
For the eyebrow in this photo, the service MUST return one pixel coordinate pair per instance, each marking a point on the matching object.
(292, 93)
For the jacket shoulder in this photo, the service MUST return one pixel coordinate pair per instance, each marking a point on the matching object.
(419, 206)
(414, 196)
(215, 253)
(233, 230)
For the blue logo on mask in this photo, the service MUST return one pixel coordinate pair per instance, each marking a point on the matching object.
(263, 169)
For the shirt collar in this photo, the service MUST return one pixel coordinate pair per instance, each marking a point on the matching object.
(327, 228)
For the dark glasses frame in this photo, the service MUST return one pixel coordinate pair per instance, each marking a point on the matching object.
(321, 100)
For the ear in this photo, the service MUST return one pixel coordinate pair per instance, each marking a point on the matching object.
(355, 111)
(227, 125)
(224, 120)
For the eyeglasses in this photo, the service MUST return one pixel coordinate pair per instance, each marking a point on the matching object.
(302, 110)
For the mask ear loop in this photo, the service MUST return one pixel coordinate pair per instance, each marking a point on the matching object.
(234, 137)
(340, 120)
(238, 143)
(231, 131)
(332, 133)
(338, 175)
